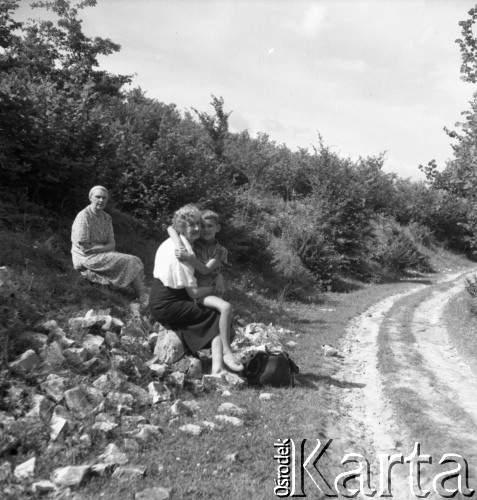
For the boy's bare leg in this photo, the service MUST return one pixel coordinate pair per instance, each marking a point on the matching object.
(225, 321)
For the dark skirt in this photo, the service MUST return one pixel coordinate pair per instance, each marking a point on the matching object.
(195, 324)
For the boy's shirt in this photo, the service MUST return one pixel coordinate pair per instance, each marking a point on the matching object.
(204, 251)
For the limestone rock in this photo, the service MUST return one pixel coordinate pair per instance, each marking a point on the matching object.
(53, 355)
(176, 380)
(193, 429)
(195, 369)
(182, 365)
(158, 370)
(6, 419)
(83, 399)
(147, 432)
(105, 423)
(102, 470)
(118, 362)
(131, 445)
(111, 339)
(124, 472)
(120, 398)
(232, 457)
(48, 326)
(41, 407)
(94, 366)
(93, 343)
(55, 386)
(156, 493)
(66, 342)
(25, 363)
(169, 348)
(237, 422)
(179, 408)
(192, 404)
(152, 339)
(113, 455)
(140, 395)
(116, 325)
(26, 469)
(231, 409)
(71, 475)
(59, 426)
(44, 486)
(266, 396)
(76, 355)
(5, 471)
(212, 382)
(75, 325)
(210, 425)
(110, 381)
(235, 381)
(85, 440)
(99, 317)
(132, 422)
(104, 427)
(158, 392)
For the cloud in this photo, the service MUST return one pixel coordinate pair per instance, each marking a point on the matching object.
(312, 19)
(238, 122)
(274, 126)
(404, 169)
(346, 65)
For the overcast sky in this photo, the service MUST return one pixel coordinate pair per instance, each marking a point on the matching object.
(368, 75)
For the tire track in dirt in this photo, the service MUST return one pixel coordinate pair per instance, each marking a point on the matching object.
(425, 365)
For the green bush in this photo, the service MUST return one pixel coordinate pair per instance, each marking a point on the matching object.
(471, 287)
(396, 247)
(287, 264)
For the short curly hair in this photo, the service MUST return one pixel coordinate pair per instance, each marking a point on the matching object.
(210, 214)
(188, 213)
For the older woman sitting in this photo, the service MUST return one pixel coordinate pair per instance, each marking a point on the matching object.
(93, 247)
(173, 294)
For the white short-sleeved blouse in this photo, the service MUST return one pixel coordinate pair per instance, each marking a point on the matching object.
(172, 272)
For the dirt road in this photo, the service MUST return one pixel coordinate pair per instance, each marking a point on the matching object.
(413, 386)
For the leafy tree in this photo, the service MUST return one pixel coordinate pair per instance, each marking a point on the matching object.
(51, 99)
(459, 178)
(216, 126)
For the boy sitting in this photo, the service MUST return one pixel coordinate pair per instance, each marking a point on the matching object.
(210, 255)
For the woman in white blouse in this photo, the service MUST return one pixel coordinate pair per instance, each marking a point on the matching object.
(174, 291)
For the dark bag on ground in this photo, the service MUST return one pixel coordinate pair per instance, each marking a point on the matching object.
(267, 368)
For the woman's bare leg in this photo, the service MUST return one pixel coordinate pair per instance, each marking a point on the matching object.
(217, 357)
(225, 322)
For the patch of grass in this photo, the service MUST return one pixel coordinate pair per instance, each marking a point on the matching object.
(461, 323)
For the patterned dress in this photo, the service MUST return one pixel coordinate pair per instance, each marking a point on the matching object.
(113, 268)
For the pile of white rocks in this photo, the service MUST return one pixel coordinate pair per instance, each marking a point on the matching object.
(99, 375)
